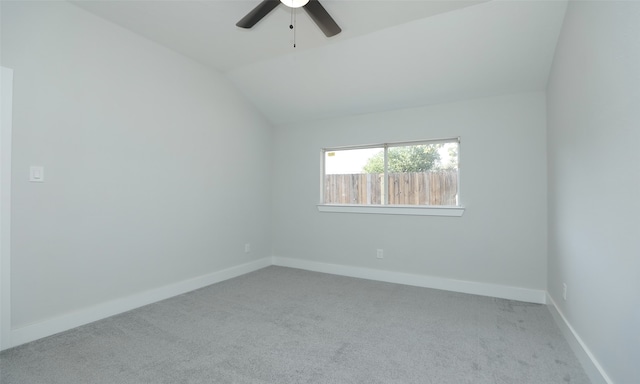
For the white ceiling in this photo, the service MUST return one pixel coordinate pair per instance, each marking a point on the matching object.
(390, 54)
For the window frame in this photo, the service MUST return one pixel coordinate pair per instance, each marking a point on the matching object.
(384, 208)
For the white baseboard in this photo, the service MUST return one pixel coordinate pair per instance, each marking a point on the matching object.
(97, 312)
(591, 366)
(475, 288)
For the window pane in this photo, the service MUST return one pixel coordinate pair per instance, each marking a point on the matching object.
(418, 173)
(354, 176)
(424, 174)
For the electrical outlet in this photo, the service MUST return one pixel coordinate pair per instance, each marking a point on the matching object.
(247, 248)
(564, 291)
(380, 254)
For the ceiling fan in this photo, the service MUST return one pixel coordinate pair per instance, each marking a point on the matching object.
(313, 8)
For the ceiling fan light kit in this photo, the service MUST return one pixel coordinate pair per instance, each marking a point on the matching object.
(313, 7)
(294, 3)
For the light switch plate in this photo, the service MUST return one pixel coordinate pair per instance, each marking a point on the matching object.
(36, 174)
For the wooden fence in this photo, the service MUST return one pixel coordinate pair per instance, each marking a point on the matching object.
(412, 188)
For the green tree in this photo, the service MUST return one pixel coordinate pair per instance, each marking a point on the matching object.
(414, 158)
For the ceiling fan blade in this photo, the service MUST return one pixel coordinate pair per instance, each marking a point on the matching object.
(258, 13)
(322, 18)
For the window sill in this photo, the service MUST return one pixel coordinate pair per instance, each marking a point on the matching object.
(393, 209)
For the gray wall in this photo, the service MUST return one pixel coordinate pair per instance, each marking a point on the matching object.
(594, 181)
(501, 239)
(156, 170)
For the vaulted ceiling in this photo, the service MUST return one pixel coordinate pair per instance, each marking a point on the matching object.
(390, 54)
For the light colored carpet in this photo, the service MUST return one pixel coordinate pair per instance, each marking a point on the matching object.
(282, 325)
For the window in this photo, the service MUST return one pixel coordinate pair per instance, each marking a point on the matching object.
(420, 174)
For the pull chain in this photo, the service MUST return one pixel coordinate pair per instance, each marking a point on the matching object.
(292, 26)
